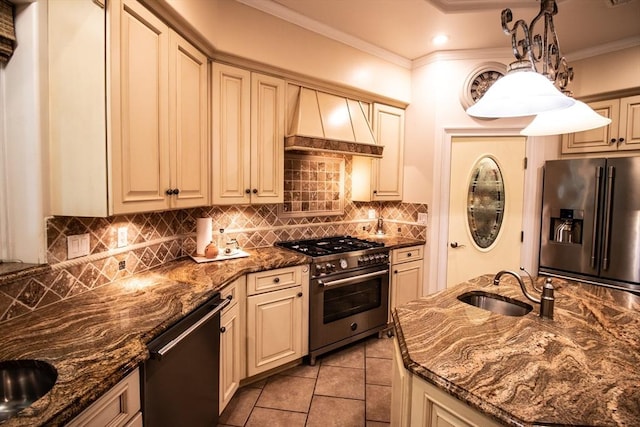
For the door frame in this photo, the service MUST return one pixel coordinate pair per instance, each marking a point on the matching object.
(537, 150)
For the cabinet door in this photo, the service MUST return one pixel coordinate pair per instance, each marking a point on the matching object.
(406, 282)
(139, 109)
(400, 390)
(230, 135)
(267, 139)
(274, 329)
(387, 172)
(630, 123)
(595, 140)
(231, 359)
(188, 133)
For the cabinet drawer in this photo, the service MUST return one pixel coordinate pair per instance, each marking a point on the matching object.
(235, 291)
(407, 254)
(117, 407)
(272, 280)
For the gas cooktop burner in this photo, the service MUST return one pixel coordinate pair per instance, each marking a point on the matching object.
(329, 245)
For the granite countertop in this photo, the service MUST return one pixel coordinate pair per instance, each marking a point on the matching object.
(96, 338)
(393, 242)
(581, 368)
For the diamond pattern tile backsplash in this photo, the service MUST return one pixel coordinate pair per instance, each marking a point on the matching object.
(159, 237)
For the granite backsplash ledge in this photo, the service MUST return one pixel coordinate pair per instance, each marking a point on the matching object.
(159, 237)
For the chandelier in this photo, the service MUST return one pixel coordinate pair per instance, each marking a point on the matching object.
(536, 82)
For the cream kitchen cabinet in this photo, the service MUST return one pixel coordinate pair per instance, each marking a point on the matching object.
(622, 134)
(277, 318)
(248, 136)
(417, 403)
(152, 151)
(119, 407)
(382, 179)
(406, 275)
(232, 341)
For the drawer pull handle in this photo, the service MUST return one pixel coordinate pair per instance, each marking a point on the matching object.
(299, 294)
(409, 254)
(276, 280)
(223, 329)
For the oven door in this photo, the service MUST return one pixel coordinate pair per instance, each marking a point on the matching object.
(347, 305)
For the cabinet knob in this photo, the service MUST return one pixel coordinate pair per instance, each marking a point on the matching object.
(176, 191)
(613, 140)
(395, 271)
(299, 294)
(255, 191)
(375, 191)
(409, 254)
(223, 329)
(621, 140)
(169, 191)
(247, 191)
(276, 280)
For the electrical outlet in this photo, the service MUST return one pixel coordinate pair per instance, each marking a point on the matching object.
(372, 214)
(422, 218)
(122, 237)
(122, 265)
(77, 245)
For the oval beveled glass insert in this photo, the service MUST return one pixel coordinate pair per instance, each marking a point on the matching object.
(485, 203)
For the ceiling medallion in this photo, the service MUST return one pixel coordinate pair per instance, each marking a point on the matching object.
(479, 80)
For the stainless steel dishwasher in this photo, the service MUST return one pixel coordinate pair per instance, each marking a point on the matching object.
(180, 380)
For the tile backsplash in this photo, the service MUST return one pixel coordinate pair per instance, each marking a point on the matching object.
(158, 237)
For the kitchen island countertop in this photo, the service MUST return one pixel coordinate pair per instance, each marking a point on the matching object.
(581, 368)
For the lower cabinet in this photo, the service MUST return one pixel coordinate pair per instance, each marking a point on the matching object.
(406, 275)
(232, 341)
(417, 403)
(277, 318)
(119, 407)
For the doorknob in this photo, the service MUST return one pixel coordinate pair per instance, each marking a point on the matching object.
(455, 245)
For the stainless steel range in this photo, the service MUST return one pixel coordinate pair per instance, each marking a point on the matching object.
(349, 290)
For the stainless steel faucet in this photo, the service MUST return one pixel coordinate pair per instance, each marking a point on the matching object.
(547, 299)
(380, 226)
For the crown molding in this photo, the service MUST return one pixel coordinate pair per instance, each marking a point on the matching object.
(604, 48)
(461, 54)
(286, 14)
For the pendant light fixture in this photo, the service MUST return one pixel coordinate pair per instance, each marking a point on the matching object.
(531, 84)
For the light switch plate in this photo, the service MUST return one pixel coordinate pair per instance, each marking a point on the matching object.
(372, 214)
(422, 218)
(77, 245)
(122, 237)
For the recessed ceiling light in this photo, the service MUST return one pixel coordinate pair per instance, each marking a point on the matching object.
(440, 39)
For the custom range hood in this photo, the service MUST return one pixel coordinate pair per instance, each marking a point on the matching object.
(329, 123)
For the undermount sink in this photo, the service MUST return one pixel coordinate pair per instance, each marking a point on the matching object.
(23, 382)
(496, 303)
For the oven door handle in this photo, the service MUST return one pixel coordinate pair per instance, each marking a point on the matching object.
(352, 279)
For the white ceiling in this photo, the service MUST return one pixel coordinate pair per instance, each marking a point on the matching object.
(402, 30)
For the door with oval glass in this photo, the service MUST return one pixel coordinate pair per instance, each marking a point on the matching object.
(485, 206)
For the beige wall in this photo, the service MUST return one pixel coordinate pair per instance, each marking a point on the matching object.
(240, 30)
(610, 72)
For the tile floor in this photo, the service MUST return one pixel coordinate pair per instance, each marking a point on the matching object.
(346, 388)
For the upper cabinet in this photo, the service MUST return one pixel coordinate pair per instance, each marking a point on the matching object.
(622, 134)
(151, 153)
(248, 136)
(159, 142)
(382, 179)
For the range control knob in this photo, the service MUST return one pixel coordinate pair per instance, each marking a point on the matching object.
(343, 263)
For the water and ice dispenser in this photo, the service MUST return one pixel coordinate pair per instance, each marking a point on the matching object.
(566, 226)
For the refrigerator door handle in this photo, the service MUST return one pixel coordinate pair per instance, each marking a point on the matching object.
(596, 204)
(607, 218)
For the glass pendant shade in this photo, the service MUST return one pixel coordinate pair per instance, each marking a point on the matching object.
(520, 93)
(579, 117)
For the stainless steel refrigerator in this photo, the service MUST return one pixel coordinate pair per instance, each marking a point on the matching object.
(591, 221)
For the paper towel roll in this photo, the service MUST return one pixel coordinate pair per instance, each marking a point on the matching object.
(204, 234)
